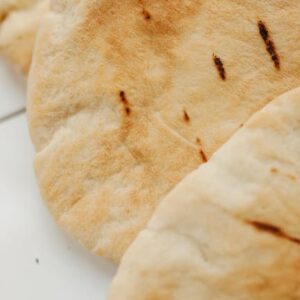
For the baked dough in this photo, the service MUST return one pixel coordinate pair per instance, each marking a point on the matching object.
(18, 33)
(127, 97)
(230, 230)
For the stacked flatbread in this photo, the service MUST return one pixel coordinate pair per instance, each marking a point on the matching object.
(229, 230)
(127, 97)
(20, 23)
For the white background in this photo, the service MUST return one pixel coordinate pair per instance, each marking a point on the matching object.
(37, 260)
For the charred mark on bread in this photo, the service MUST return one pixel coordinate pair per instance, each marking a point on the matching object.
(127, 110)
(203, 156)
(274, 230)
(220, 67)
(186, 116)
(146, 14)
(123, 97)
(125, 102)
(270, 46)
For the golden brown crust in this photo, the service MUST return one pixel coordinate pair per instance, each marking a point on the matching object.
(108, 88)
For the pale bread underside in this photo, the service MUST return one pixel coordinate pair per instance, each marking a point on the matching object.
(127, 97)
(18, 33)
(231, 229)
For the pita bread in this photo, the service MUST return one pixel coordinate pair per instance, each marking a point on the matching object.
(18, 33)
(229, 230)
(7, 6)
(127, 97)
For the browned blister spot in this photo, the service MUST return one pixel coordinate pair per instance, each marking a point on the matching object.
(292, 177)
(220, 67)
(186, 116)
(198, 141)
(270, 46)
(274, 230)
(166, 18)
(274, 170)
(125, 102)
(203, 156)
(3, 17)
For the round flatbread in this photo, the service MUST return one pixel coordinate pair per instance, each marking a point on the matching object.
(231, 229)
(127, 97)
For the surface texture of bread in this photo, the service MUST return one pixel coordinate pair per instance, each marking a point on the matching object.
(127, 97)
(231, 229)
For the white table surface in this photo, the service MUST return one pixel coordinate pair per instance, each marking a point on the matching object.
(37, 260)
